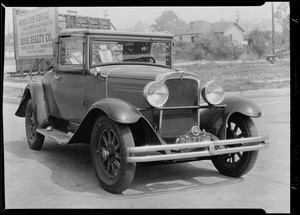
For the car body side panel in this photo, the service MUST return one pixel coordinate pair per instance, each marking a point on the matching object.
(66, 95)
(215, 120)
(95, 89)
(35, 91)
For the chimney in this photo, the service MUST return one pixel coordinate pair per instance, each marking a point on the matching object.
(192, 25)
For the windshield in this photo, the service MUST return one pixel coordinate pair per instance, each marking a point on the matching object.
(155, 52)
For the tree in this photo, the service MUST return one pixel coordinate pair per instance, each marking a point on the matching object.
(168, 21)
(139, 26)
(282, 16)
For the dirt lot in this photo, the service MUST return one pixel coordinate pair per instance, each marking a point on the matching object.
(235, 75)
(242, 76)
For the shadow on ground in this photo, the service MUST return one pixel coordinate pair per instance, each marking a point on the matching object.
(72, 170)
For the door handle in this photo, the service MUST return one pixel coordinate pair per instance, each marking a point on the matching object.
(56, 77)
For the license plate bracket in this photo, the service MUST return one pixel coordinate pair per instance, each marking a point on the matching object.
(194, 135)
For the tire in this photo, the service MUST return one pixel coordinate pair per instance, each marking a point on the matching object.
(237, 164)
(34, 139)
(108, 154)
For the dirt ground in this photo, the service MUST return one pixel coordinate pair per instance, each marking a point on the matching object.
(243, 76)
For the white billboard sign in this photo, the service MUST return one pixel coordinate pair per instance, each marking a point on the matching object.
(34, 31)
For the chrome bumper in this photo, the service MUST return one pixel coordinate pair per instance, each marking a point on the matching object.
(209, 147)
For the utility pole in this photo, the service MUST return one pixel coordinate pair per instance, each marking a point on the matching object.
(105, 15)
(273, 29)
(237, 16)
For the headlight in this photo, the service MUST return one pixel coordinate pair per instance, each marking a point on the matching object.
(156, 93)
(213, 92)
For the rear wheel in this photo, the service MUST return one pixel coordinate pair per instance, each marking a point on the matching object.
(237, 164)
(34, 139)
(108, 152)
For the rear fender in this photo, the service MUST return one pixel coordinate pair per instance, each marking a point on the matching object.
(214, 120)
(120, 112)
(35, 92)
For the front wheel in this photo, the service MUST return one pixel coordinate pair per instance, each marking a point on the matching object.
(240, 163)
(108, 153)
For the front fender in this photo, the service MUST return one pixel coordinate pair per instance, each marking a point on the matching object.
(214, 120)
(35, 92)
(241, 105)
(116, 109)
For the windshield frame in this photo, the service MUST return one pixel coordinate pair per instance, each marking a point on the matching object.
(114, 38)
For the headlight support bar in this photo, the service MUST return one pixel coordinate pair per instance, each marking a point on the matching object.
(182, 107)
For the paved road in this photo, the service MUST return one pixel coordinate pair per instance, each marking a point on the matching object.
(62, 176)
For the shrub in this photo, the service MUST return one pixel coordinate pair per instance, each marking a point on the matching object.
(208, 47)
(182, 50)
(257, 43)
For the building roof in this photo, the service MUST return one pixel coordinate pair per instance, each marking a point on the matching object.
(194, 28)
(202, 26)
(220, 27)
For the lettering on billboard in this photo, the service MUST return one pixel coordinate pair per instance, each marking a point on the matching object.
(35, 31)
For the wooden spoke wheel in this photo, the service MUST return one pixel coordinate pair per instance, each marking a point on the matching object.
(240, 163)
(108, 152)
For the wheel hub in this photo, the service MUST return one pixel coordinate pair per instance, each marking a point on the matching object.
(105, 154)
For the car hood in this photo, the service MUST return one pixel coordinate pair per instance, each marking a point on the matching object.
(134, 71)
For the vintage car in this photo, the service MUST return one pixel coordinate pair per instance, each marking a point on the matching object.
(118, 92)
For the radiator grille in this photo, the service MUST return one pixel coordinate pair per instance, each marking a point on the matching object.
(178, 122)
(182, 92)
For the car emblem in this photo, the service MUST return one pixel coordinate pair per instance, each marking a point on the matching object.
(181, 74)
(195, 130)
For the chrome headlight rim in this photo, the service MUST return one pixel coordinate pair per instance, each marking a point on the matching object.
(204, 92)
(146, 95)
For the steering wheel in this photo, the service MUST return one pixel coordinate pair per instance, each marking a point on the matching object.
(149, 57)
(142, 58)
(152, 58)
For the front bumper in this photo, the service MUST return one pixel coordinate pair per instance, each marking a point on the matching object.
(208, 148)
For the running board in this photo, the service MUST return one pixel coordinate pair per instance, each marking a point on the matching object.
(56, 135)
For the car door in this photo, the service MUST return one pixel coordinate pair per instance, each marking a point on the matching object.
(66, 94)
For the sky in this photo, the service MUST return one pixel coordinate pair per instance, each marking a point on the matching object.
(124, 17)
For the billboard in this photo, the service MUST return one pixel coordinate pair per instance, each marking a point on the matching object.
(34, 31)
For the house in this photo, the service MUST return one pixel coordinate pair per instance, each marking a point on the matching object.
(193, 29)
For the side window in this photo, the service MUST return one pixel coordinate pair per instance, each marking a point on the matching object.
(71, 51)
